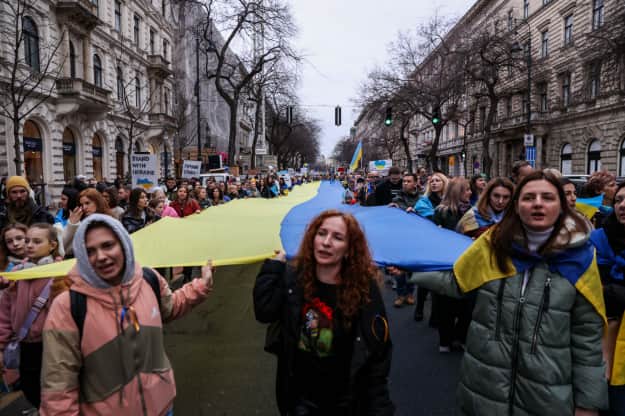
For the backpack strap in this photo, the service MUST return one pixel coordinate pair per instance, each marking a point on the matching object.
(78, 308)
(150, 277)
(78, 301)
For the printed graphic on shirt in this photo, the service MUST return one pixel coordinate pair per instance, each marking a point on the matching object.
(316, 334)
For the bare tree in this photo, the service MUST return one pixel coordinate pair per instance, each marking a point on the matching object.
(244, 22)
(30, 68)
(486, 54)
(423, 78)
(130, 114)
(344, 150)
(275, 81)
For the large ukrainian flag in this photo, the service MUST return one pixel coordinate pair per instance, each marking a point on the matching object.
(249, 230)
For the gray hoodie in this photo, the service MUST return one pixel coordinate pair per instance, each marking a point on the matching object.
(87, 272)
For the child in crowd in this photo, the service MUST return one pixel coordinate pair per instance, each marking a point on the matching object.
(21, 322)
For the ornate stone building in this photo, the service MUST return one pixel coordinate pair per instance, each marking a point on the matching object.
(577, 89)
(110, 88)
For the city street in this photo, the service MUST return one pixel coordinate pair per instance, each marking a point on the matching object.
(221, 368)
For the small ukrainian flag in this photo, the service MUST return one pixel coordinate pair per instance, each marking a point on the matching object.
(353, 165)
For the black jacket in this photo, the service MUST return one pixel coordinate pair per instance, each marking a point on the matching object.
(386, 191)
(39, 215)
(278, 297)
(132, 224)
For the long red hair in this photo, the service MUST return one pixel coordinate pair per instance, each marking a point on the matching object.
(357, 269)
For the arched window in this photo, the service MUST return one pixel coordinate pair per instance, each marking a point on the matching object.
(72, 60)
(622, 159)
(594, 156)
(566, 156)
(119, 156)
(31, 43)
(33, 147)
(97, 71)
(96, 149)
(120, 84)
(69, 155)
(137, 147)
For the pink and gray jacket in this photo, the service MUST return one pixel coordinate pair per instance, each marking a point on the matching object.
(114, 369)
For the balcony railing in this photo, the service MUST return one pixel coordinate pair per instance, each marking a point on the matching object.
(161, 118)
(65, 86)
(519, 119)
(81, 12)
(159, 66)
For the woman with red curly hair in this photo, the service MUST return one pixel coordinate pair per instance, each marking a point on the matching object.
(333, 347)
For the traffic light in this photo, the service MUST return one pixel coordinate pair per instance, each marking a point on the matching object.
(337, 115)
(436, 116)
(289, 114)
(388, 120)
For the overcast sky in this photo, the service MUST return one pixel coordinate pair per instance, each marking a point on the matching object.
(342, 40)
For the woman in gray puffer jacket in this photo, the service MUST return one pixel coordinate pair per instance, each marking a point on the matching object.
(534, 342)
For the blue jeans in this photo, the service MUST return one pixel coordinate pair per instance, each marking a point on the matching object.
(403, 287)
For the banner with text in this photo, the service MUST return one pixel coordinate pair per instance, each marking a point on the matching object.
(191, 168)
(144, 171)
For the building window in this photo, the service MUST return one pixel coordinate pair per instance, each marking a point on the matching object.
(31, 43)
(482, 118)
(508, 106)
(526, 9)
(544, 44)
(69, 155)
(568, 30)
(524, 103)
(546, 2)
(120, 84)
(120, 156)
(165, 48)
(510, 21)
(152, 36)
(622, 157)
(166, 100)
(594, 157)
(566, 162)
(33, 149)
(597, 14)
(97, 71)
(72, 60)
(163, 7)
(542, 90)
(135, 30)
(137, 91)
(594, 79)
(96, 3)
(566, 90)
(118, 16)
(96, 152)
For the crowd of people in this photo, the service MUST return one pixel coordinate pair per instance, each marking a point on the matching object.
(535, 303)
(55, 351)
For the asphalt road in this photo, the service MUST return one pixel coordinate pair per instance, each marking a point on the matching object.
(221, 368)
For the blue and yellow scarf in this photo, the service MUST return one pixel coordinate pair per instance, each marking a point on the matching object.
(477, 266)
(607, 257)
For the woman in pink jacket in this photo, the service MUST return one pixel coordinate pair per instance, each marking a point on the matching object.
(115, 362)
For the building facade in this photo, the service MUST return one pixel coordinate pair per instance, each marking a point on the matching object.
(576, 83)
(110, 82)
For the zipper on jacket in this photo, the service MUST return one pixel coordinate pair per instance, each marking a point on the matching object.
(544, 306)
(516, 328)
(502, 284)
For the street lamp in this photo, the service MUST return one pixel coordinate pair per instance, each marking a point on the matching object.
(528, 140)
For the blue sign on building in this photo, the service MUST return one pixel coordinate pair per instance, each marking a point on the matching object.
(530, 155)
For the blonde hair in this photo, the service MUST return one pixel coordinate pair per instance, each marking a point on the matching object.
(443, 178)
(454, 190)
